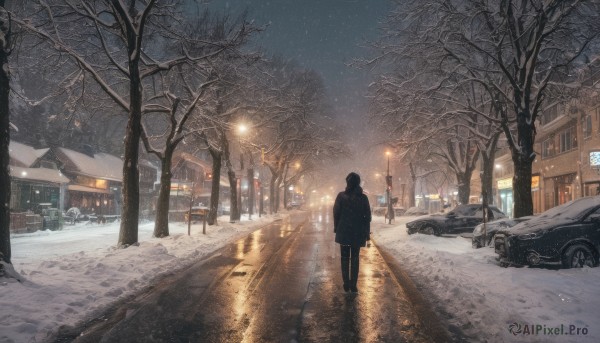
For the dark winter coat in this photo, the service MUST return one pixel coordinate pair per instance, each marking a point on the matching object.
(352, 217)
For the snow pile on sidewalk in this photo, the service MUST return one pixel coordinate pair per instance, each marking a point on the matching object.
(486, 301)
(72, 273)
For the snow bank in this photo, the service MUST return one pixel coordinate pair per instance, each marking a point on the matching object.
(468, 288)
(71, 274)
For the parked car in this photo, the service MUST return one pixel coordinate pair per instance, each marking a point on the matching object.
(463, 218)
(294, 205)
(567, 235)
(492, 227)
(415, 211)
(382, 210)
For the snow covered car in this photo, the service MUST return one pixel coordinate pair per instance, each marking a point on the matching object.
(415, 211)
(567, 235)
(463, 218)
(491, 229)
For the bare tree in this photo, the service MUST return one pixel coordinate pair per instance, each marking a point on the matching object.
(185, 95)
(532, 46)
(422, 112)
(108, 41)
(177, 119)
(512, 51)
(302, 135)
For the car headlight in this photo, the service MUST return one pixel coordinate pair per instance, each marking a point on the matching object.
(478, 231)
(527, 236)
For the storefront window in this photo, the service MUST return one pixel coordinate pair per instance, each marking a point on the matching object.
(563, 188)
(506, 201)
(591, 189)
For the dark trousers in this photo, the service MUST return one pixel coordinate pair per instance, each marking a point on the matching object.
(350, 255)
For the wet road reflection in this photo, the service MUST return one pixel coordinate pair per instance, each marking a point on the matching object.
(279, 284)
(380, 311)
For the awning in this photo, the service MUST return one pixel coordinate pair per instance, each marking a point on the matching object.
(79, 188)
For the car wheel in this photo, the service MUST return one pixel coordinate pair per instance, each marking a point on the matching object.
(429, 230)
(411, 231)
(578, 256)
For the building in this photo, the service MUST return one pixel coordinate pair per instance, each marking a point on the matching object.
(96, 180)
(37, 189)
(567, 165)
(35, 180)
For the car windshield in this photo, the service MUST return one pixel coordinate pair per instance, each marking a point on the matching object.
(573, 209)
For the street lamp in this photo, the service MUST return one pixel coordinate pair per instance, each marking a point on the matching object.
(243, 129)
(388, 190)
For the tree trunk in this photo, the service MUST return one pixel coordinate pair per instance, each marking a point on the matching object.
(131, 190)
(277, 194)
(523, 156)
(161, 225)
(487, 177)
(464, 186)
(285, 195)
(234, 214)
(131, 177)
(412, 186)
(523, 201)
(215, 186)
(272, 208)
(412, 194)
(250, 191)
(4, 138)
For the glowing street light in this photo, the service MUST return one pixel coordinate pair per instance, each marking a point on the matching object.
(388, 190)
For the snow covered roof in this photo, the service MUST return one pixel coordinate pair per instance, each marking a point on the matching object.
(101, 166)
(38, 174)
(22, 155)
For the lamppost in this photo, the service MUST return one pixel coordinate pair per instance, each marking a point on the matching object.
(388, 190)
(242, 129)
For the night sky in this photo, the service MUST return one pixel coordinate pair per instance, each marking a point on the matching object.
(322, 35)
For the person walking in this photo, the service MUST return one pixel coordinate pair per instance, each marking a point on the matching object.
(352, 228)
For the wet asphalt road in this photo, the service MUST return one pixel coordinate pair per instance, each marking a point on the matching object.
(281, 283)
